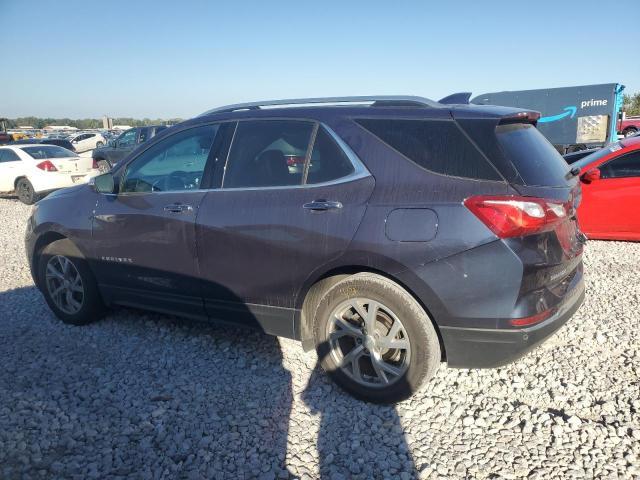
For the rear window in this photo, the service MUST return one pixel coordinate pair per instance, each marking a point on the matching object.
(537, 162)
(438, 146)
(42, 152)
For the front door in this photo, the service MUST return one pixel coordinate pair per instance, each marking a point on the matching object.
(290, 202)
(144, 236)
(612, 201)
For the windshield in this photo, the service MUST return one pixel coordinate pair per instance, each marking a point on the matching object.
(537, 161)
(583, 162)
(48, 151)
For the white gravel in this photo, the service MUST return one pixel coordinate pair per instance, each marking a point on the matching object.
(146, 396)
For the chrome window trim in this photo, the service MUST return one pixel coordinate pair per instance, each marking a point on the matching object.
(360, 170)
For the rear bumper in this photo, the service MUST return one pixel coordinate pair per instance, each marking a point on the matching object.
(54, 181)
(486, 348)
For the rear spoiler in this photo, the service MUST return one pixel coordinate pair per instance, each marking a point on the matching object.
(460, 98)
(527, 116)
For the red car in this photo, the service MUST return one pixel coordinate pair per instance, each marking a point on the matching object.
(610, 208)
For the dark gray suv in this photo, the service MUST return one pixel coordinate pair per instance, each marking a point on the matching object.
(390, 233)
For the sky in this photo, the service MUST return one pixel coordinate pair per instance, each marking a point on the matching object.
(162, 59)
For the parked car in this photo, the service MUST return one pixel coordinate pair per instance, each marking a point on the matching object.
(83, 142)
(117, 149)
(417, 232)
(47, 141)
(629, 126)
(611, 191)
(32, 170)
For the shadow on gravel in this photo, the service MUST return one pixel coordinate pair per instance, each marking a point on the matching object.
(138, 396)
(356, 439)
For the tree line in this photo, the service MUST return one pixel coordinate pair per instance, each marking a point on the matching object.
(86, 123)
(632, 104)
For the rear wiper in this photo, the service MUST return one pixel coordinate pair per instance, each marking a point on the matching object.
(572, 173)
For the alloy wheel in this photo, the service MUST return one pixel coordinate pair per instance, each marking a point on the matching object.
(64, 284)
(368, 342)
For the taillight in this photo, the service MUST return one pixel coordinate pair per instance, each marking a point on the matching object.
(532, 320)
(514, 216)
(47, 166)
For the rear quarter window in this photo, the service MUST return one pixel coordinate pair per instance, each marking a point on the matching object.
(436, 145)
(536, 160)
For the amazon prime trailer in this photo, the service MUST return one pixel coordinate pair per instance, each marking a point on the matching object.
(572, 118)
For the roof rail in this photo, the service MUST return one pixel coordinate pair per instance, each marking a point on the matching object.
(381, 100)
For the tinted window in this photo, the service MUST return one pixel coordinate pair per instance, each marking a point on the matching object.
(7, 155)
(48, 151)
(439, 146)
(624, 166)
(176, 163)
(537, 162)
(268, 153)
(127, 138)
(328, 160)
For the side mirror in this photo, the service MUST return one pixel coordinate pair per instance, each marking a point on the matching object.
(104, 183)
(590, 176)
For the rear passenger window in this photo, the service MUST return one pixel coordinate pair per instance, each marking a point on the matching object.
(438, 146)
(328, 160)
(268, 153)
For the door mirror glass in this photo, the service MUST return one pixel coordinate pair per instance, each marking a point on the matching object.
(591, 176)
(104, 183)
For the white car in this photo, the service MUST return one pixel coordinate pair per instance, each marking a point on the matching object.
(33, 170)
(83, 142)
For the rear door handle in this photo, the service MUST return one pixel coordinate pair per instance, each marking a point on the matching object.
(322, 205)
(178, 208)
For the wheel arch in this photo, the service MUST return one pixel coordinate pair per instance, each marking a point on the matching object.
(41, 243)
(311, 297)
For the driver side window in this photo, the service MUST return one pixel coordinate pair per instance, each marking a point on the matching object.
(174, 164)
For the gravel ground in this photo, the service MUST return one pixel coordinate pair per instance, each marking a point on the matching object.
(147, 396)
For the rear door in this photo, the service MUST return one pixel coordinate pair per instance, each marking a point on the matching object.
(273, 222)
(611, 203)
(144, 237)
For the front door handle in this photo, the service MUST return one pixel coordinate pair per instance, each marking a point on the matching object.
(178, 208)
(322, 205)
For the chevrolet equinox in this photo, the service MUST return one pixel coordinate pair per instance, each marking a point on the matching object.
(388, 233)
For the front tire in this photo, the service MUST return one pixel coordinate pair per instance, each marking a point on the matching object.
(25, 191)
(374, 339)
(629, 131)
(68, 285)
(99, 144)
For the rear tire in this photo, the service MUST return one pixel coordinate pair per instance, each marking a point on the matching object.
(384, 356)
(629, 131)
(68, 284)
(25, 191)
(99, 144)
